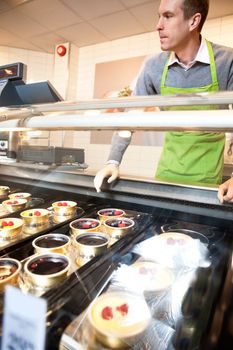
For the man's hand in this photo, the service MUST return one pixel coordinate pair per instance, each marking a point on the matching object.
(111, 171)
(225, 191)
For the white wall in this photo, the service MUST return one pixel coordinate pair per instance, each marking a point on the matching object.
(137, 160)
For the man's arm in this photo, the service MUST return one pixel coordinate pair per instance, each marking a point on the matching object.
(120, 142)
(111, 170)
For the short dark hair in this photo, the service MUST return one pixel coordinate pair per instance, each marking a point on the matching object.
(190, 7)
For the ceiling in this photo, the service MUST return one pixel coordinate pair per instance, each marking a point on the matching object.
(42, 24)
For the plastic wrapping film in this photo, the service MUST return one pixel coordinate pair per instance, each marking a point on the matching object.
(157, 272)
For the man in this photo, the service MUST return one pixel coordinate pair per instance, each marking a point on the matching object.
(188, 64)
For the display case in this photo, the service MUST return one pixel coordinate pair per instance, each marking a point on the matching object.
(143, 264)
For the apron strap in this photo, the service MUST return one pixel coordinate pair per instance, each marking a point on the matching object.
(213, 69)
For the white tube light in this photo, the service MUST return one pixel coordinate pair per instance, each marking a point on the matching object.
(208, 120)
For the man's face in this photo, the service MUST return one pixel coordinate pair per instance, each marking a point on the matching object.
(172, 27)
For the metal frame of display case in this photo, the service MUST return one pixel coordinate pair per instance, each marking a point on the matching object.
(90, 115)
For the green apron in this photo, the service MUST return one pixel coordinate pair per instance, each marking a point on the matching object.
(192, 157)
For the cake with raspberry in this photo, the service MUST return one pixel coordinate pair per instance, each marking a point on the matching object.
(35, 218)
(175, 238)
(34, 213)
(84, 224)
(153, 277)
(64, 208)
(119, 318)
(118, 227)
(12, 205)
(104, 214)
(19, 195)
(10, 227)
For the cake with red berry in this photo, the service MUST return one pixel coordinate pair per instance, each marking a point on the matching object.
(35, 217)
(10, 228)
(119, 318)
(12, 205)
(175, 238)
(84, 224)
(153, 277)
(118, 227)
(64, 208)
(21, 195)
(104, 214)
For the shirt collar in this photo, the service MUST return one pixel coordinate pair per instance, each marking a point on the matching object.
(202, 56)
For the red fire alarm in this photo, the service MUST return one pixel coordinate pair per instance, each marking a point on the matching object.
(61, 50)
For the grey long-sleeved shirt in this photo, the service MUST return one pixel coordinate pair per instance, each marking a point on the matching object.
(149, 81)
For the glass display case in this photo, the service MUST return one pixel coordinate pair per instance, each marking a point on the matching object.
(141, 265)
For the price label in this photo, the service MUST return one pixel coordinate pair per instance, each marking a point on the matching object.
(24, 321)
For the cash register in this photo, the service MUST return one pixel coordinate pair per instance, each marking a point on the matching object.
(15, 92)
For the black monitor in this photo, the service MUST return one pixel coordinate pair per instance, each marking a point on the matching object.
(14, 91)
(13, 71)
(41, 92)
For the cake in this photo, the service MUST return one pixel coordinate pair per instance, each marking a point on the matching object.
(10, 228)
(174, 250)
(84, 224)
(4, 190)
(17, 195)
(9, 271)
(175, 238)
(153, 277)
(104, 214)
(12, 205)
(118, 227)
(35, 220)
(119, 318)
(64, 208)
